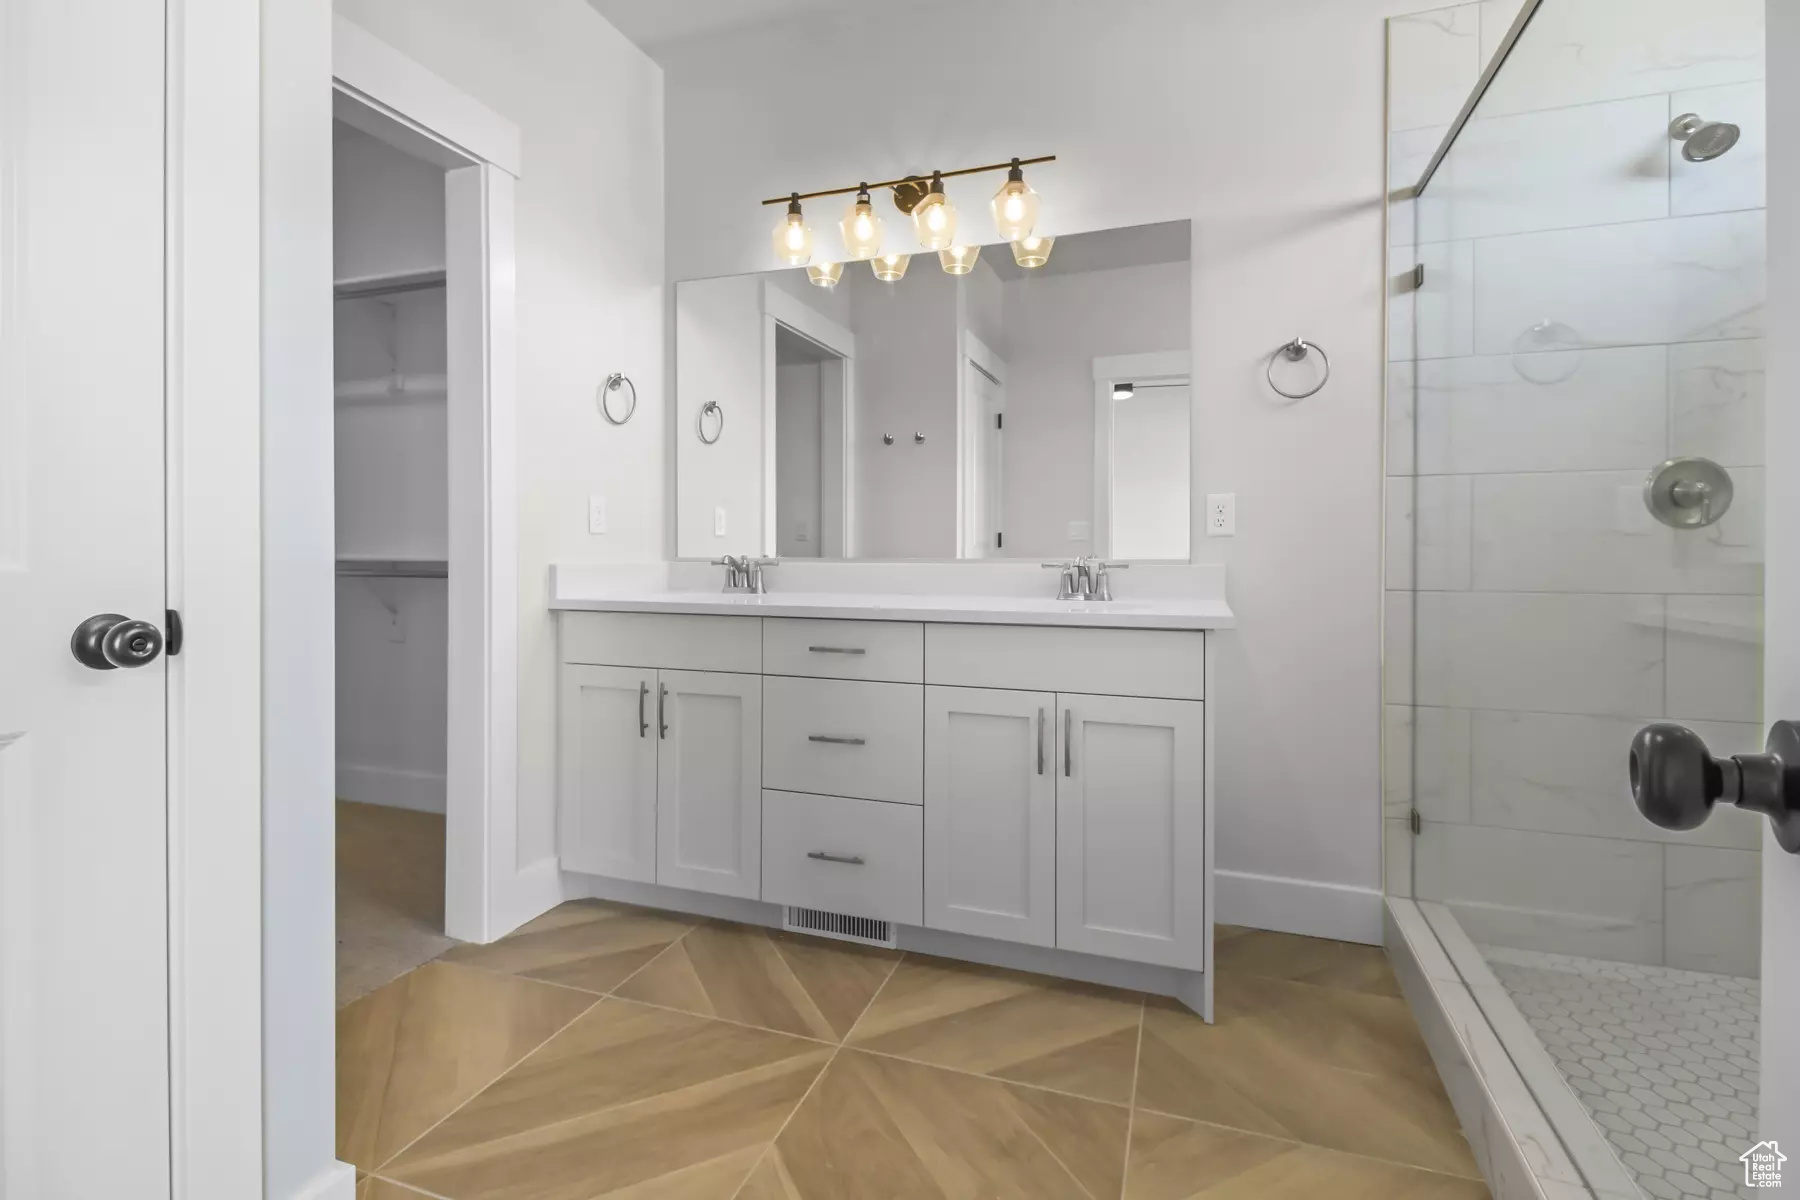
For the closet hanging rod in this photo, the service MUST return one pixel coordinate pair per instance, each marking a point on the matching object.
(364, 286)
(393, 568)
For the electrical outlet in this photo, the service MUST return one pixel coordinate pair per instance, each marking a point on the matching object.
(802, 531)
(596, 514)
(1080, 531)
(1221, 515)
(719, 521)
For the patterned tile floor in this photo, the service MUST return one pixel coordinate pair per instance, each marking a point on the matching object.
(1666, 1060)
(610, 1052)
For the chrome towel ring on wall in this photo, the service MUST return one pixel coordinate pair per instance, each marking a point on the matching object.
(613, 383)
(1294, 352)
(711, 407)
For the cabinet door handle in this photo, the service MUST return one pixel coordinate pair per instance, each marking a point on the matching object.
(1068, 742)
(837, 650)
(836, 741)
(662, 704)
(1040, 741)
(643, 721)
(854, 860)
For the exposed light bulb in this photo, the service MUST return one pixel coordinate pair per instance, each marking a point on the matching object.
(861, 228)
(935, 217)
(825, 275)
(793, 237)
(890, 267)
(959, 260)
(1015, 206)
(1032, 251)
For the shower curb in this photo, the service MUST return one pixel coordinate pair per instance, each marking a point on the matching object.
(1519, 1147)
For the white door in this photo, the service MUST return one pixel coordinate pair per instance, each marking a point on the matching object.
(709, 782)
(990, 813)
(1780, 1073)
(1130, 822)
(84, 1023)
(608, 747)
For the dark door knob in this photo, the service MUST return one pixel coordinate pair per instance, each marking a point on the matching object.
(1676, 781)
(108, 640)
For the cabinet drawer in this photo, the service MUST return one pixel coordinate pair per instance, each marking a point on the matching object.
(844, 738)
(1169, 664)
(674, 641)
(859, 857)
(893, 651)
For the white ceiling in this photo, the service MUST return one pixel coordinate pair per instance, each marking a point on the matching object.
(653, 24)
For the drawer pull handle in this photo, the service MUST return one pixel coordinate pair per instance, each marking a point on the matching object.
(662, 704)
(837, 650)
(1040, 764)
(1068, 742)
(836, 741)
(854, 860)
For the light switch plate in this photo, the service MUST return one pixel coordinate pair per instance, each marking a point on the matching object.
(596, 514)
(1081, 531)
(719, 521)
(1221, 515)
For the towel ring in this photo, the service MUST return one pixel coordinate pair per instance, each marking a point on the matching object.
(1296, 351)
(711, 406)
(612, 384)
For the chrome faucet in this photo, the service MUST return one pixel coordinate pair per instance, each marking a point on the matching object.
(743, 573)
(1085, 578)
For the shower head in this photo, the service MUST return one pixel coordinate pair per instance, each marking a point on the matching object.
(1702, 140)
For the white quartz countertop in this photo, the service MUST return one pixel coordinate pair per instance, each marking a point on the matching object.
(576, 591)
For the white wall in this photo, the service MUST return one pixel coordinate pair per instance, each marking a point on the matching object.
(387, 208)
(1056, 326)
(590, 301)
(1260, 119)
(719, 359)
(797, 501)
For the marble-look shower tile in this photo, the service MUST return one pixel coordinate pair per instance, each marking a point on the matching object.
(1434, 59)
(1397, 647)
(1558, 773)
(1396, 852)
(1715, 658)
(1716, 401)
(1438, 320)
(1582, 51)
(1428, 532)
(1497, 17)
(1399, 418)
(1679, 280)
(1424, 218)
(1712, 907)
(1736, 180)
(1599, 164)
(1591, 532)
(1600, 896)
(1517, 650)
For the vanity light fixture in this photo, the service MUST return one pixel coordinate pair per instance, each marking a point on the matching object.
(793, 237)
(890, 267)
(861, 228)
(959, 260)
(825, 275)
(1032, 251)
(934, 217)
(1015, 206)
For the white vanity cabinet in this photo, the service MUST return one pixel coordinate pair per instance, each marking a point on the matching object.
(1036, 785)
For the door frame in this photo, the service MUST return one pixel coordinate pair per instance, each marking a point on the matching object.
(780, 309)
(973, 352)
(1160, 367)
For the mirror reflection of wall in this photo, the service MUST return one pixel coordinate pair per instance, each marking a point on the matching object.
(942, 416)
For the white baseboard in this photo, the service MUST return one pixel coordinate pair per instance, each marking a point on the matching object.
(336, 1182)
(1326, 910)
(534, 891)
(391, 787)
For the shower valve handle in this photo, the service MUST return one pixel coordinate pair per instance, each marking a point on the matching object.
(1676, 780)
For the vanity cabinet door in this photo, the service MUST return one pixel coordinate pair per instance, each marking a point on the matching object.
(606, 814)
(1130, 821)
(990, 813)
(709, 782)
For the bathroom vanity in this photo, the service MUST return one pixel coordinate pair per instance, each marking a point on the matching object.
(1002, 777)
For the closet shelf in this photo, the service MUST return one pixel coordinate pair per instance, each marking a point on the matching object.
(362, 286)
(393, 568)
(388, 388)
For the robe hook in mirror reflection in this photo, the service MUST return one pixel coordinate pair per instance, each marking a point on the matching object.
(710, 408)
(1297, 351)
(613, 383)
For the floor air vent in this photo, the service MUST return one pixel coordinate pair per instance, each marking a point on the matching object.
(841, 926)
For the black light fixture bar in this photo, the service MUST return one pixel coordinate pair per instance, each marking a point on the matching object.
(1008, 165)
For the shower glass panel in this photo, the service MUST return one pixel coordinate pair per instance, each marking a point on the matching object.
(1575, 540)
